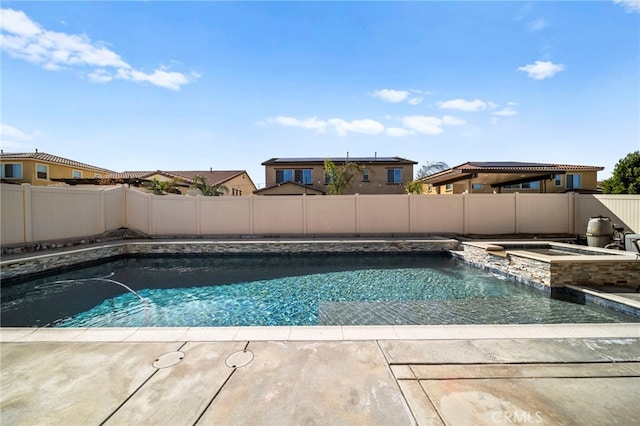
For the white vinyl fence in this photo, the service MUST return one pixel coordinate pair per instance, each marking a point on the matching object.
(31, 213)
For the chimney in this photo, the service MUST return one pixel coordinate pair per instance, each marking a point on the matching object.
(211, 169)
(36, 150)
(375, 154)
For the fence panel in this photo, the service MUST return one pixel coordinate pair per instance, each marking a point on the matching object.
(382, 214)
(137, 205)
(622, 209)
(225, 215)
(432, 214)
(331, 214)
(173, 215)
(278, 215)
(12, 214)
(543, 213)
(114, 208)
(65, 213)
(490, 214)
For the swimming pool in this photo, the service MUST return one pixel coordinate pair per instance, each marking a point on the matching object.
(363, 289)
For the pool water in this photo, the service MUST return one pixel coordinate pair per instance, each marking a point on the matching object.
(284, 290)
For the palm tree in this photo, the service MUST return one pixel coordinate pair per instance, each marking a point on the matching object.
(200, 184)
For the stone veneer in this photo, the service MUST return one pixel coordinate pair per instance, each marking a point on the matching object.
(35, 264)
(546, 272)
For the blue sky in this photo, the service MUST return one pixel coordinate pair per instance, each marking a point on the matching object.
(228, 85)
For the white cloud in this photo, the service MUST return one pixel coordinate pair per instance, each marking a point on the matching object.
(390, 95)
(463, 105)
(537, 25)
(366, 126)
(14, 139)
(452, 121)
(309, 123)
(541, 70)
(24, 39)
(630, 6)
(423, 124)
(342, 127)
(506, 112)
(397, 132)
(415, 101)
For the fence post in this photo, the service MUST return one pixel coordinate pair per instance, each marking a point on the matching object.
(103, 211)
(26, 200)
(150, 227)
(251, 218)
(356, 200)
(465, 214)
(198, 215)
(571, 219)
(304, 214)
(516, 222)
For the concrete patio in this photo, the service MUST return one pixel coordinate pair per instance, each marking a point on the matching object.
(400, 375)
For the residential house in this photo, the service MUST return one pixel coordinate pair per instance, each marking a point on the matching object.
(508, 177)
(297, 176)
(237, 182)
(40, 168)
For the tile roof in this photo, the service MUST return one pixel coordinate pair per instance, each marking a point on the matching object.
(49, 158)
(514, 165)
(213, 176)
(320, 160)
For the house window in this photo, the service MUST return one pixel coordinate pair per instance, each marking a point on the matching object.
(526, 185)
(76, 174)
(394, 176)
(365, 175)
(557, 181)
(284, 175)
(448, 187)
(477, 186)
(42, 171)
(12, 171)
(303, 176)
(97, 175)
(429, 187)
(236, 192)
(573, 181)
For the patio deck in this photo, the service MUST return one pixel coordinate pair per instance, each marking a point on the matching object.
(402, 375)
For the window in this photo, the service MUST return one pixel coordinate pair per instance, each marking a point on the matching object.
(526, 185)
(557, 181)
(97, 175)
(365, 175)
(236, 192)
(573, 181)
(429, 187)
(42, 171)
(394, 176)
(12, 171)
(448, 187)
(477, 186)
(76, 174)
(303, 176)
(284, 175)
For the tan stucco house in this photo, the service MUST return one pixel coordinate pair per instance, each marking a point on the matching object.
(509, 177)
(298, 176)
(40, 168)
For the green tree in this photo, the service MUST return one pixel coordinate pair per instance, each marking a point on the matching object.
(430, 168)
(340, 177)
(414, 187)
(626, 176)
(200, 184)
(162, 187)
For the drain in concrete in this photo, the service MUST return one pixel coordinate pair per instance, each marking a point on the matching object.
(168, 360)
(239, 359)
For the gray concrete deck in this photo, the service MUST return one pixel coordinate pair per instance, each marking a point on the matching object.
(403, 375)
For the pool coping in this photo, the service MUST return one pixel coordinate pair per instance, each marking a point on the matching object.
(320, 333)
